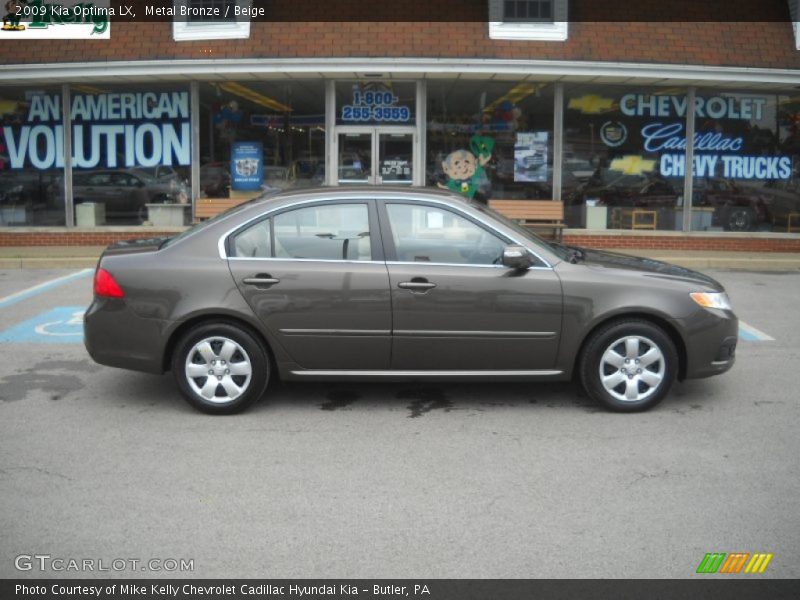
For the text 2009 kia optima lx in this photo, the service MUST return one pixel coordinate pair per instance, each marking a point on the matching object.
(382, 284)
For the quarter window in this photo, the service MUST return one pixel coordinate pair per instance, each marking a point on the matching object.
(325, 232)
(253, 242)
(431, 234)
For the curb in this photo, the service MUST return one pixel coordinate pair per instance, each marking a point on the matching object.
(72, 262)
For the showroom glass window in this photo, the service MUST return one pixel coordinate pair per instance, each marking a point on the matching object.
(131, 154)
(31, 157)
(623, 157)
(491, 139)
(747, 161)
(259, 135)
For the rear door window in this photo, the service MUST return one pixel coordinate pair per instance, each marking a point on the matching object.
(324, 232)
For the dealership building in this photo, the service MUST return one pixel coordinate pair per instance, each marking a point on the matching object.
(129, 131)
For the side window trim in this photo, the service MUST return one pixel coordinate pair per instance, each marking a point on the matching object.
(271, 237)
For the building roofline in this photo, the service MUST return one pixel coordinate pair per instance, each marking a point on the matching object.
(400, 68)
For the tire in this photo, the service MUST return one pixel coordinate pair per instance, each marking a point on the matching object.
(239, 363)
(641, 386)
(740, 219)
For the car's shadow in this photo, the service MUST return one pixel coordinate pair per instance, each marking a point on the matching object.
(422, 398)
(417, 399)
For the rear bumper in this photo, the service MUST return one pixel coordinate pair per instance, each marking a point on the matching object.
(116, 337)
(711, 337)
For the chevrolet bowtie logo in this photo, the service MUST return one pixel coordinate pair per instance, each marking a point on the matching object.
(591, 104)
(632, 165)
(720, 562)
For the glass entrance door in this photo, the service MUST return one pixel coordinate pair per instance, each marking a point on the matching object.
(355, 158)
(375, 155)
(395, 154)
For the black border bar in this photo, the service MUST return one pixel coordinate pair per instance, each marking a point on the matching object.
(284, 11)
(707, 587)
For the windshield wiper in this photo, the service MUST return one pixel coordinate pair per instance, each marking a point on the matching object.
(575, 254)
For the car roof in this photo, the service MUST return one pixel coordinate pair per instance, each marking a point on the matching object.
(365, 190)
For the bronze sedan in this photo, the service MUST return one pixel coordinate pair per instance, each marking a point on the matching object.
(386, 284)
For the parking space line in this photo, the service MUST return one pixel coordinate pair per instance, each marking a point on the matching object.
(60, 325)
(751, 334)
(42, 287)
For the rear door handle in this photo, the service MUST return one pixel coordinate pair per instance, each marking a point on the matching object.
(261, 280)
(416, 285)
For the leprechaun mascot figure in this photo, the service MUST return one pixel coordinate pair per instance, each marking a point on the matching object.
(11, 21)
(465, 168)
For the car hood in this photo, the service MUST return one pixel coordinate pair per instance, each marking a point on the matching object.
(615, 260)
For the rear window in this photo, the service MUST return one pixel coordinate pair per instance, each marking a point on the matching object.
(203, 225)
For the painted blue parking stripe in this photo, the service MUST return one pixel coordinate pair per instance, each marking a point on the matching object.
(42, 287)
(61, 325)
(749, 333)
(747, 337)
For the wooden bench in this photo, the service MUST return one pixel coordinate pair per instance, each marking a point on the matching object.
(535, 214)
(205, 208)
(793, 217)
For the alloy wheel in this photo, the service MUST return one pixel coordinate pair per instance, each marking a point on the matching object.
(218, 369)
(632, 368)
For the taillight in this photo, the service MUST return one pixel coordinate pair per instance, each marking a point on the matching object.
(104, 285)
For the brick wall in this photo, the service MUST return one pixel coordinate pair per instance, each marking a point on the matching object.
(10, 237)
(730, 243)
(745, 42)
(694, 243)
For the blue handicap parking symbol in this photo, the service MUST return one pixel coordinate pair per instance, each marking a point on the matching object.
(61, 325)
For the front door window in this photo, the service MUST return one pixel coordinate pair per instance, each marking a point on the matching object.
(431, 234)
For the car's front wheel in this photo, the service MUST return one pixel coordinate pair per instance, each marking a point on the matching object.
(628, 365)
(220, 368)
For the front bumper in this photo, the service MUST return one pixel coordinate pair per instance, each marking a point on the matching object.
(710, 336)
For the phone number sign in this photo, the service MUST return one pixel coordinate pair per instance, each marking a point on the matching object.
(370, 107)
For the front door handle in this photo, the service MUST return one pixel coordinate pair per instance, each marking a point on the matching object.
(261, 279)
(418, 284)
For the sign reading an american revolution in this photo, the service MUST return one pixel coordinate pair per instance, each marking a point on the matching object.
(109, 130)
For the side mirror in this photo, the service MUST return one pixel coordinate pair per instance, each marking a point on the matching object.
(517, 257)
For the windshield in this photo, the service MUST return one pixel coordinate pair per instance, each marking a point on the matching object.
(202, 225)
(558, 249)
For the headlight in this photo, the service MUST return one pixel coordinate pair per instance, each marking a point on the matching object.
(712, 300)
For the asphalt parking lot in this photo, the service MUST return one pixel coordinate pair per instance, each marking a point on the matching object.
(394, 480)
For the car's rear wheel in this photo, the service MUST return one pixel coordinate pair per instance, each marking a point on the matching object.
(220, 368)
(629, 365)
